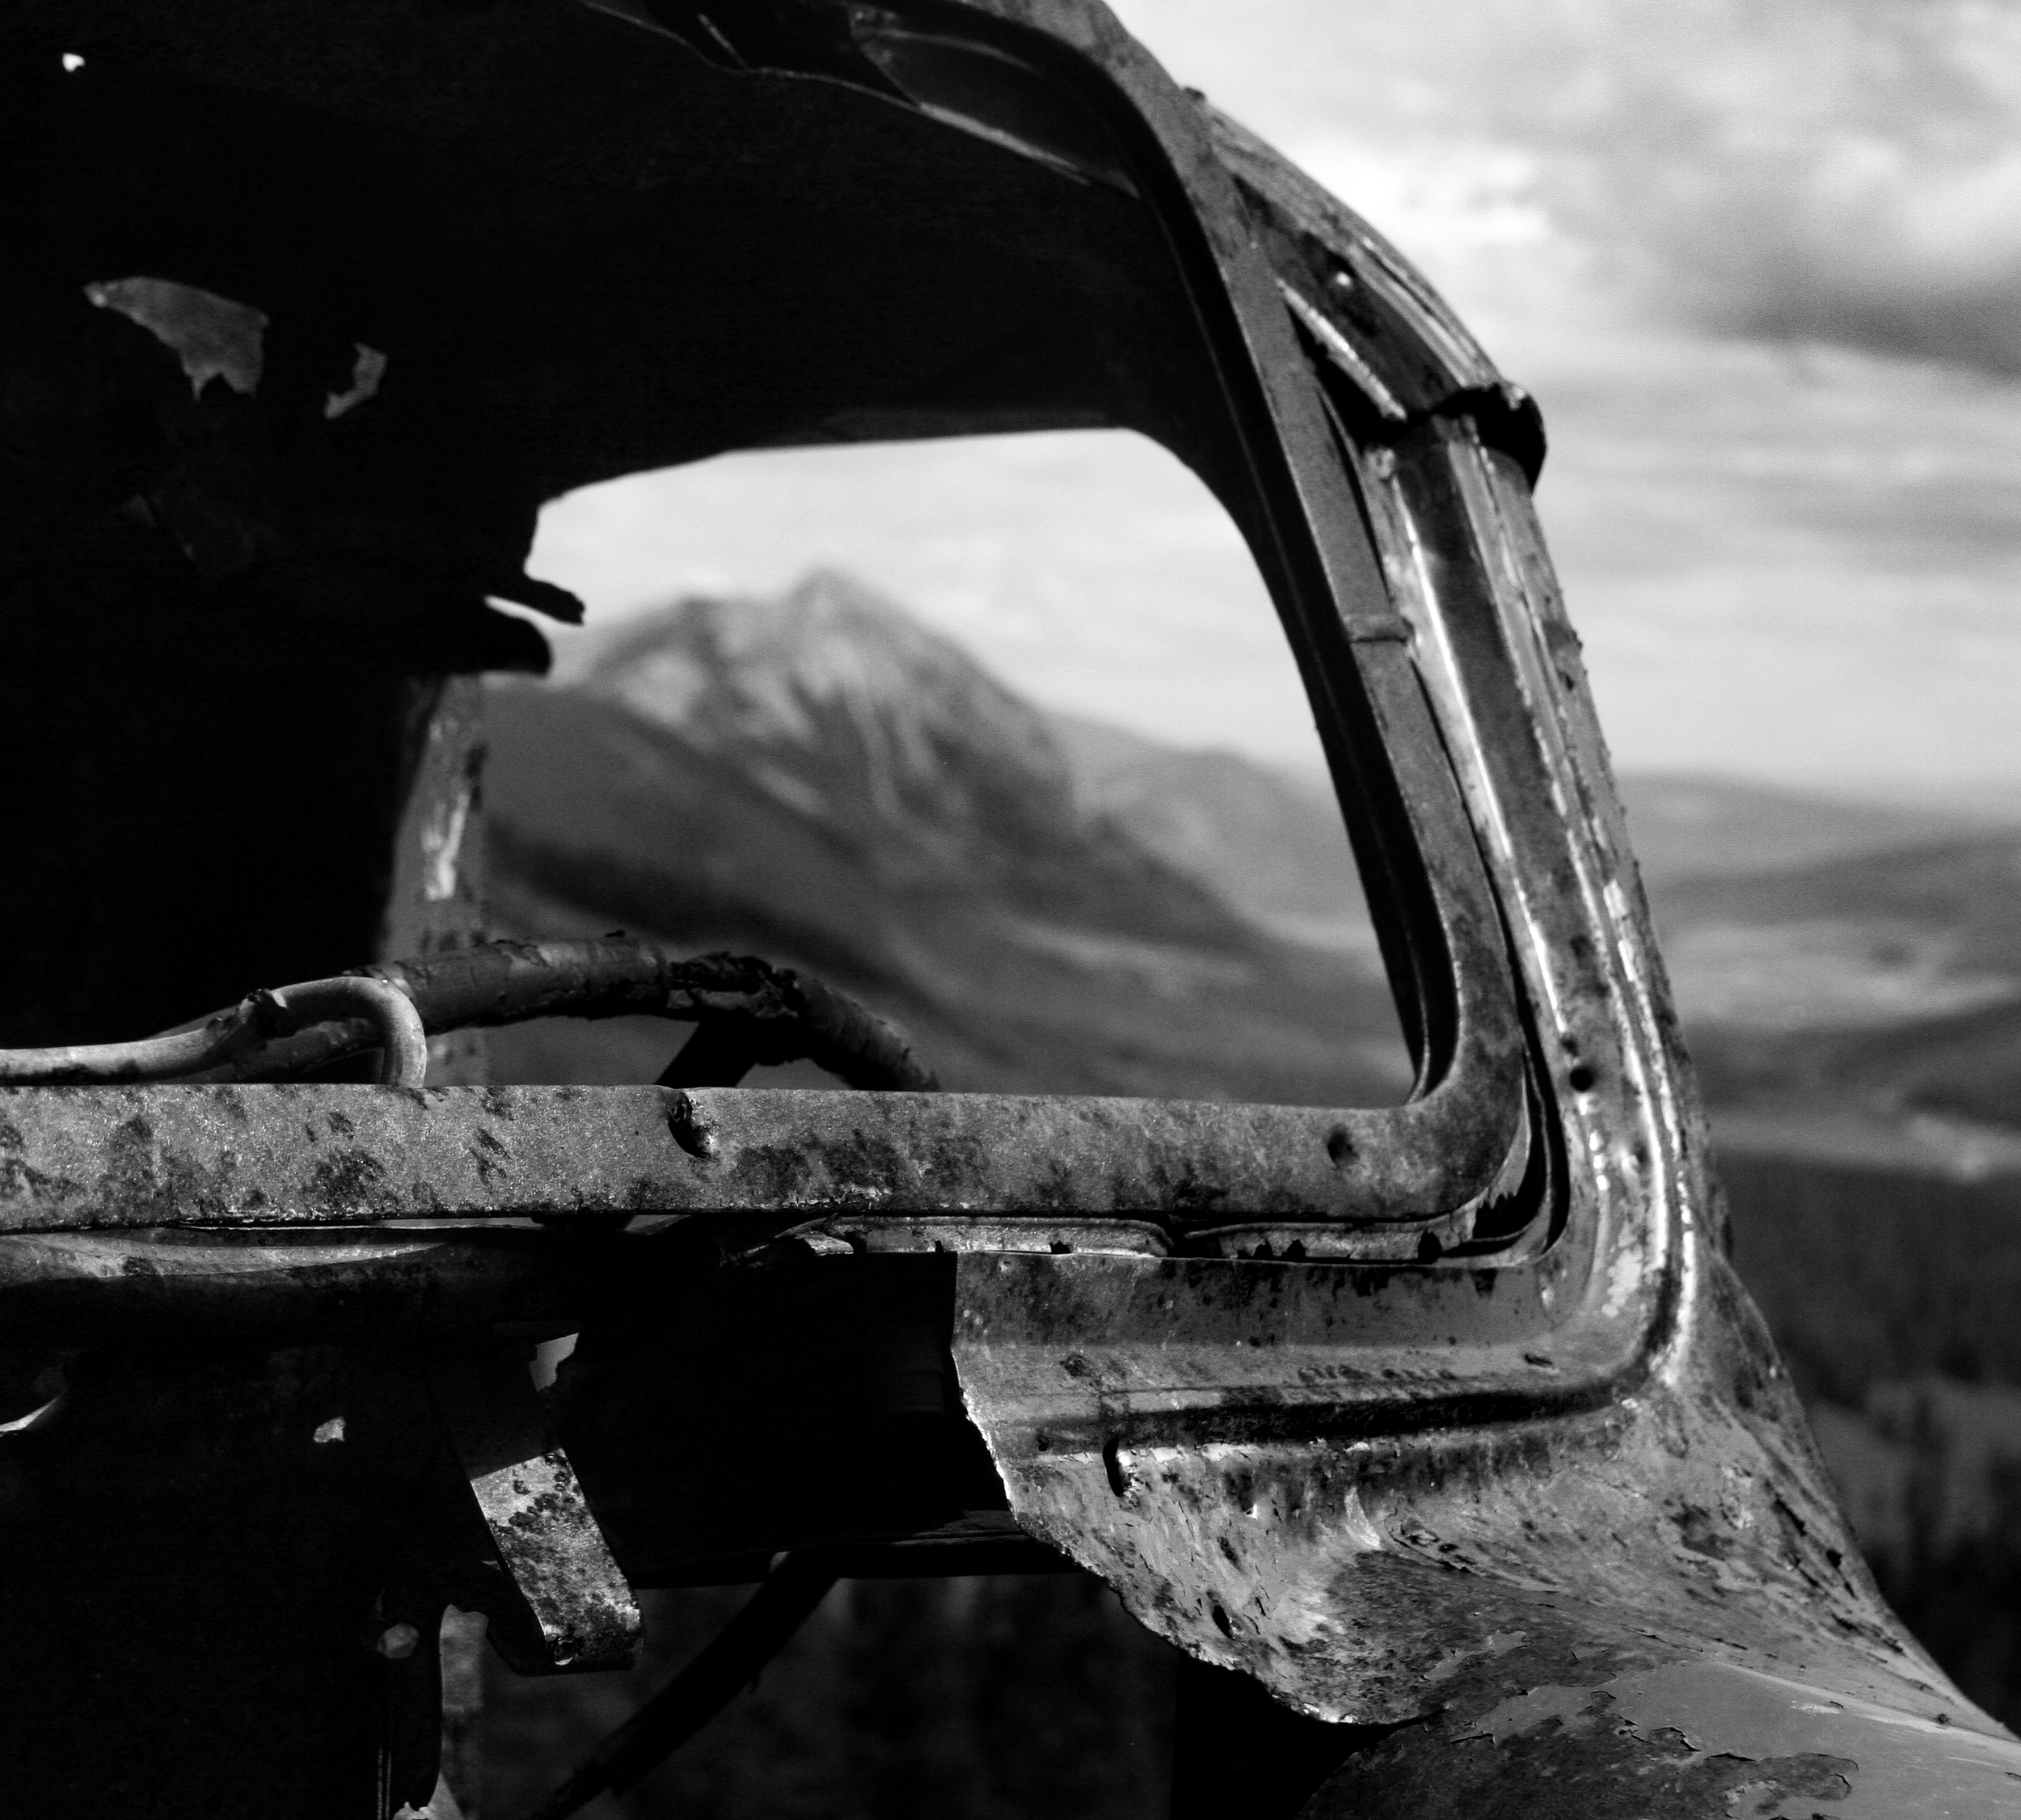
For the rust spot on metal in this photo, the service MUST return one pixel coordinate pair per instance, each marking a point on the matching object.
(547, 1539)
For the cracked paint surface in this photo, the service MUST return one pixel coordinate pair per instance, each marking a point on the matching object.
(213, 337)
(1693, 1736)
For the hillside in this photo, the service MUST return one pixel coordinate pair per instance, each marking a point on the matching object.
(895, 747)
(1940, 909)
(1269, 840)
(1887, 982)
(1686, 827)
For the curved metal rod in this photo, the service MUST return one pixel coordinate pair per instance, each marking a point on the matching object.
(750, 1013)
(218, 1046)
(700, 1690)
(154, 1059)
(397, 1024)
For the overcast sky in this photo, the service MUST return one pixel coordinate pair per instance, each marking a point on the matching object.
(1760, 263)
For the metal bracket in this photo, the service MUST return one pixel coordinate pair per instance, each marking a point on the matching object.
(575, 1600)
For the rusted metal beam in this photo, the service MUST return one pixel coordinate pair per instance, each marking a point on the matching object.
(106, 1158)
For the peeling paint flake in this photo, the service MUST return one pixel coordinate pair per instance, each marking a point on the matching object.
(1495, 1643)
(1624, 1280)
(1897, 1764)
(1526, 1712)
(1356, 1527)
(214, 337)
(442, 846)
(367, 371)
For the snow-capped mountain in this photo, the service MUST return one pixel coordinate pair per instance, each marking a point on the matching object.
(843, 708)
(899, 749)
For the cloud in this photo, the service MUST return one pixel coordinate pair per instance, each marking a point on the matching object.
(1860, 242)
(1839, 170)
(1795, 561)
(1815, 170)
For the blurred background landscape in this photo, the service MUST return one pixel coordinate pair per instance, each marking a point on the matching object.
(1001, 736)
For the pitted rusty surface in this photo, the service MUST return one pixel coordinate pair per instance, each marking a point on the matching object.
(1629, 1733)
(1370, 1562)
(82, 1158)
(1196, 1163)
(550, 1545)
(547, 1539)
(1405, 346)
(163, 1156)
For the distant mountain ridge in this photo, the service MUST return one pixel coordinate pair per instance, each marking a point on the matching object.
(1878, 988)
(844, 709)
(832, 668)
(1962, 888)
(817, 777)
(1270, 841)
(1687, 826)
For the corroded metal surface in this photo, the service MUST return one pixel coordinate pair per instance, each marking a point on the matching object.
(1327, 1502)
(547, 1540)
(779, 1014)
(1628, 1731)
(386, 1019)
(280, 1155)
(764, 1015)
(1370, 312)
(761, 1015)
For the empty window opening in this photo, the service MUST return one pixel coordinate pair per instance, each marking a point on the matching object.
(1000, 734)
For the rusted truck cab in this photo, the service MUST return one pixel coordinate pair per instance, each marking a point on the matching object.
(1447, 1425)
